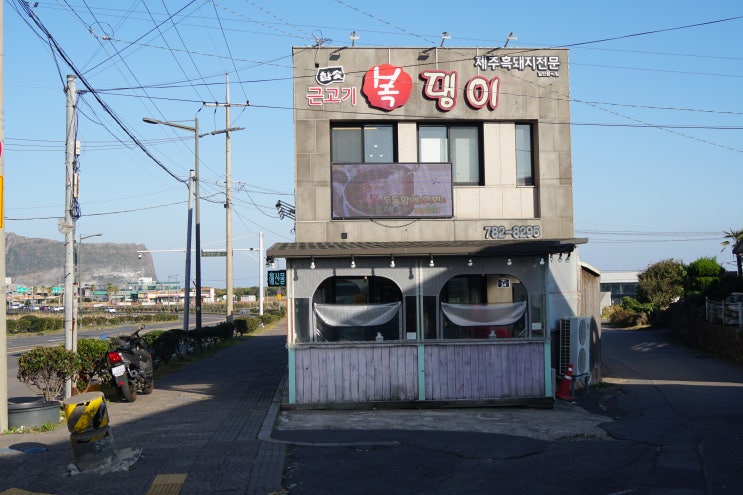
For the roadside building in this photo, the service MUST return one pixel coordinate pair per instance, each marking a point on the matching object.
(435, 255)
(145, 290)
(616, 285)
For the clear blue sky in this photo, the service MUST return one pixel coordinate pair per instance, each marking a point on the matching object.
(657, 123)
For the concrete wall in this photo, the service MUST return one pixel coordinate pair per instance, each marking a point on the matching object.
(523, 97)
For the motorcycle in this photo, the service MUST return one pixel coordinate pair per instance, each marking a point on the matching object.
(130, 366)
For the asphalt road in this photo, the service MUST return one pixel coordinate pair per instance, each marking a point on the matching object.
(18, 344)
(672, 417)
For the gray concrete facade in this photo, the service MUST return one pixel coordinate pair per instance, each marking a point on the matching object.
(524, 96)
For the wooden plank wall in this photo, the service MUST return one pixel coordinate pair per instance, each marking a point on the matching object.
(485, 371)
(356, 374)
(590, 305)
(328, 374)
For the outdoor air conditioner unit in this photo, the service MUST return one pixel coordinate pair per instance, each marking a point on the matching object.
(575, 345)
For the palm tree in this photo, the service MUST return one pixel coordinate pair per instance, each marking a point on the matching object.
(112, 291)
(734, 238)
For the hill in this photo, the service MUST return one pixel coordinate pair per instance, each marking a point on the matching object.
(30, 261)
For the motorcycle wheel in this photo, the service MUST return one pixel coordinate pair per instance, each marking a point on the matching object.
(149, 386)
(126, 391)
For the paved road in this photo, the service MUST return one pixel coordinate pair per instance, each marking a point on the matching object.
(673, 419)
(686, 403)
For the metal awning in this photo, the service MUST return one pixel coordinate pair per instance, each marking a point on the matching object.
(506, 247)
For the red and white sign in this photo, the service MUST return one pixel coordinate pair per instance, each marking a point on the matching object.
(387, 87)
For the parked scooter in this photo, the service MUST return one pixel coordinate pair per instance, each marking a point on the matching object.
(130, 366)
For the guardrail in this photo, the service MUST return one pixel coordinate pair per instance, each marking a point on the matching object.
(725, 313)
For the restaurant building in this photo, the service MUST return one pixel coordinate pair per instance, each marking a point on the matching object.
(435, 257)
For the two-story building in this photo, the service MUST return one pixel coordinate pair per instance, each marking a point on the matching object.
(434, 252)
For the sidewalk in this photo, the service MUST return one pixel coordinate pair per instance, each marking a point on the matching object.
(201, 423)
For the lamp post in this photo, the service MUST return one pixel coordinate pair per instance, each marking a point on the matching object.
(80, 293)
(195, 130)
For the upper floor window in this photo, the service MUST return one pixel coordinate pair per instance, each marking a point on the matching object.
(524, 160)
(459, 145)
(362, 144)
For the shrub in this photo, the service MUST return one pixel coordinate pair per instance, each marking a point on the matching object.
(241, 326)
(164, 344)
(267, 318)
(627, 318)
(224, 330)
(91, 353)
(46, 369)
(702, 274)
(636, 306)
(252, 324)
(11, 326)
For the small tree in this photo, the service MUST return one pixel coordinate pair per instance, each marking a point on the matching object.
(703, 273)
(662, 283)
(46, 369)
(112, 290)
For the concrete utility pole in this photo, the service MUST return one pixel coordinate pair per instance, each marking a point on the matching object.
(187, 289)
(3, 316)
(197, 199)
(228, 194)
(67, 226)
(228, 202)
(261, 264)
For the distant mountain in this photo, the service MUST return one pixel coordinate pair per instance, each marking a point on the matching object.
(39, 262)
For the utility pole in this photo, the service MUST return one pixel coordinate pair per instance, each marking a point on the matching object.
(187, 284)
(67, 226)
(261, 263)
(228, 201)
(197, 301)
(3, 316)
(228, 196)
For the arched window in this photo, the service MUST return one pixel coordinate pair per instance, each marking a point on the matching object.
(484, 306)
(357, 309)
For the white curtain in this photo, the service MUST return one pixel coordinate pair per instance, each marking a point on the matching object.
(356, 315)
(473, 315)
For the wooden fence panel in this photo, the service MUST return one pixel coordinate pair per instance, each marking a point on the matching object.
(477, 371)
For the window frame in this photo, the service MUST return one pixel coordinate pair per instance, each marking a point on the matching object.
(478, 127)
(362, 127)
(528, 181)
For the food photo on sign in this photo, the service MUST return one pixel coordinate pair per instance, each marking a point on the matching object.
(392, 190)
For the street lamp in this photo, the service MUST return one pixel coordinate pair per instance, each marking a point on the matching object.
(80, 293)
(195, 130)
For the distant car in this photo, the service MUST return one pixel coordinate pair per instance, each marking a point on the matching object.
(15, 306)
(58, 308)
(110, 310)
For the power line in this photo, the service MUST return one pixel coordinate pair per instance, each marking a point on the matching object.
(104, 213)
